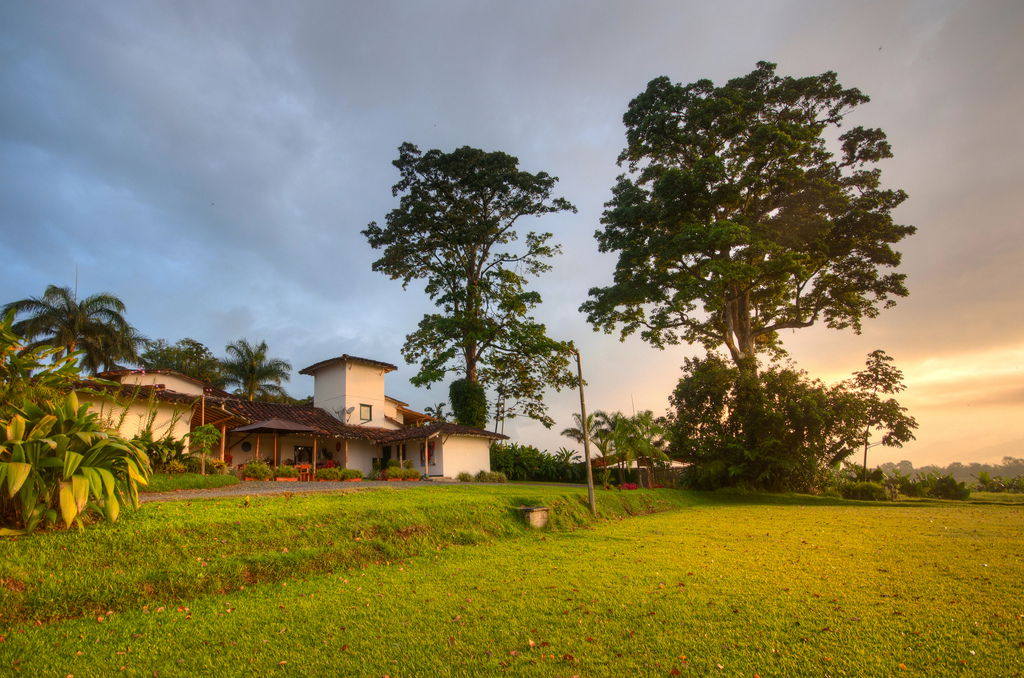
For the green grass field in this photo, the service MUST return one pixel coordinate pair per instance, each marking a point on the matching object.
(446, 581)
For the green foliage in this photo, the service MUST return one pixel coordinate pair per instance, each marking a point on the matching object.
(174, 467)
(33, 373)
(455, 228)
(465, 477)
(286, 472)
(777, 430)
(58, 464)
(525, 462)
(171, 482)
(879, 378)
(252, 372)
(469, 403)
(257, 470)
(736, 220)
(350, 473)
(94, 327)
(399, 473)
(328, 474)
(864, 490)
(187, 356)
(490, 477)
(163, 452)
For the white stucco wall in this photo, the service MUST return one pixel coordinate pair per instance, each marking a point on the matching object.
(464, 454)
(329, 389)
(131, 420)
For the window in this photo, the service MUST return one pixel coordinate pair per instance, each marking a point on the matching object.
(365, 413)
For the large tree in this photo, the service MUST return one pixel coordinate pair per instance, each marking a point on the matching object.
(248, 368)
(187, 356)
(95, 326)
(745, 212)
(455, 228)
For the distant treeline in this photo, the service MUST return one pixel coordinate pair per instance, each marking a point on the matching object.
(1010, 467)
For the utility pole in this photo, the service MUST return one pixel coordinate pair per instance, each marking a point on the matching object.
(586, 436)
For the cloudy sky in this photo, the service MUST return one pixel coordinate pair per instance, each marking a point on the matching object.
(212, 164)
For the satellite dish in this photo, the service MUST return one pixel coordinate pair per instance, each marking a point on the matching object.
(348, 413)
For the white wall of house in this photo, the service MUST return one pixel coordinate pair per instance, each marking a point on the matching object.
(350, 384)
(464, 454)
(161, 418)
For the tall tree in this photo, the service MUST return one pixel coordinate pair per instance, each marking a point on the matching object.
(248, 368)
(880, 377)
(187, 356)
(455, 228)
(95, 326)
(736, 220)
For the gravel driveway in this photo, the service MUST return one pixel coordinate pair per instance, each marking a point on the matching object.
(253, 487)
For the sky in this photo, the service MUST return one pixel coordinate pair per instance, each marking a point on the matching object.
(213, 164)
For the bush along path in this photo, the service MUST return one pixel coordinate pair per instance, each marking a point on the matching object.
(172, 551)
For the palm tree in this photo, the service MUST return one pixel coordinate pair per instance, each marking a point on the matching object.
(639, 437)
(95, 326)
(249, 368)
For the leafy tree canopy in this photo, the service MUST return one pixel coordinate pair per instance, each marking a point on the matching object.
(455, 228)
(744, 212)
(187, 356)
(94, 326)
(777, 430)
(878, 378)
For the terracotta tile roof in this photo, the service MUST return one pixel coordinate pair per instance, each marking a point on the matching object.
(321, 420)
(138, 392)
(420, 432)
(209, 388)
(344, 358)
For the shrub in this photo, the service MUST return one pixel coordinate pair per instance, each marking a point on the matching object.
(465, 477)
(59, 464)
(399, 473)
(394, 463)
(349, 473)
(328, 474)
(175, 467)
(286, 472)
(864, 490)
(491, 477)
(330, 463)
(469, 403)
(258, 470)
(629, 486)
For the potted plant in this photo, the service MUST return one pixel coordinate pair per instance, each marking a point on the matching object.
(288, 474)
(325, 474)
(257, 470)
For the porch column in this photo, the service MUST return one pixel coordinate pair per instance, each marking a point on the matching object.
(314, 457)
(223, 439)
(257, 446)
(275, 450)
(344, 452)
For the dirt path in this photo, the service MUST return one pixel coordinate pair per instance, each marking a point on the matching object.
(271, 487)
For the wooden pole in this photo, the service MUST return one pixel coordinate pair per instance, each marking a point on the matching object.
(344, 452)
(275, 450)
(586, 436)
(202, 422)
(257, 446)
(314, 458)
(223, 440)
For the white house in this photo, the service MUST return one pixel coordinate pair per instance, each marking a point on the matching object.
(351, 421)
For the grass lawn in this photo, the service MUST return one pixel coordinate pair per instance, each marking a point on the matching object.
(168, 482)
(718, 585)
